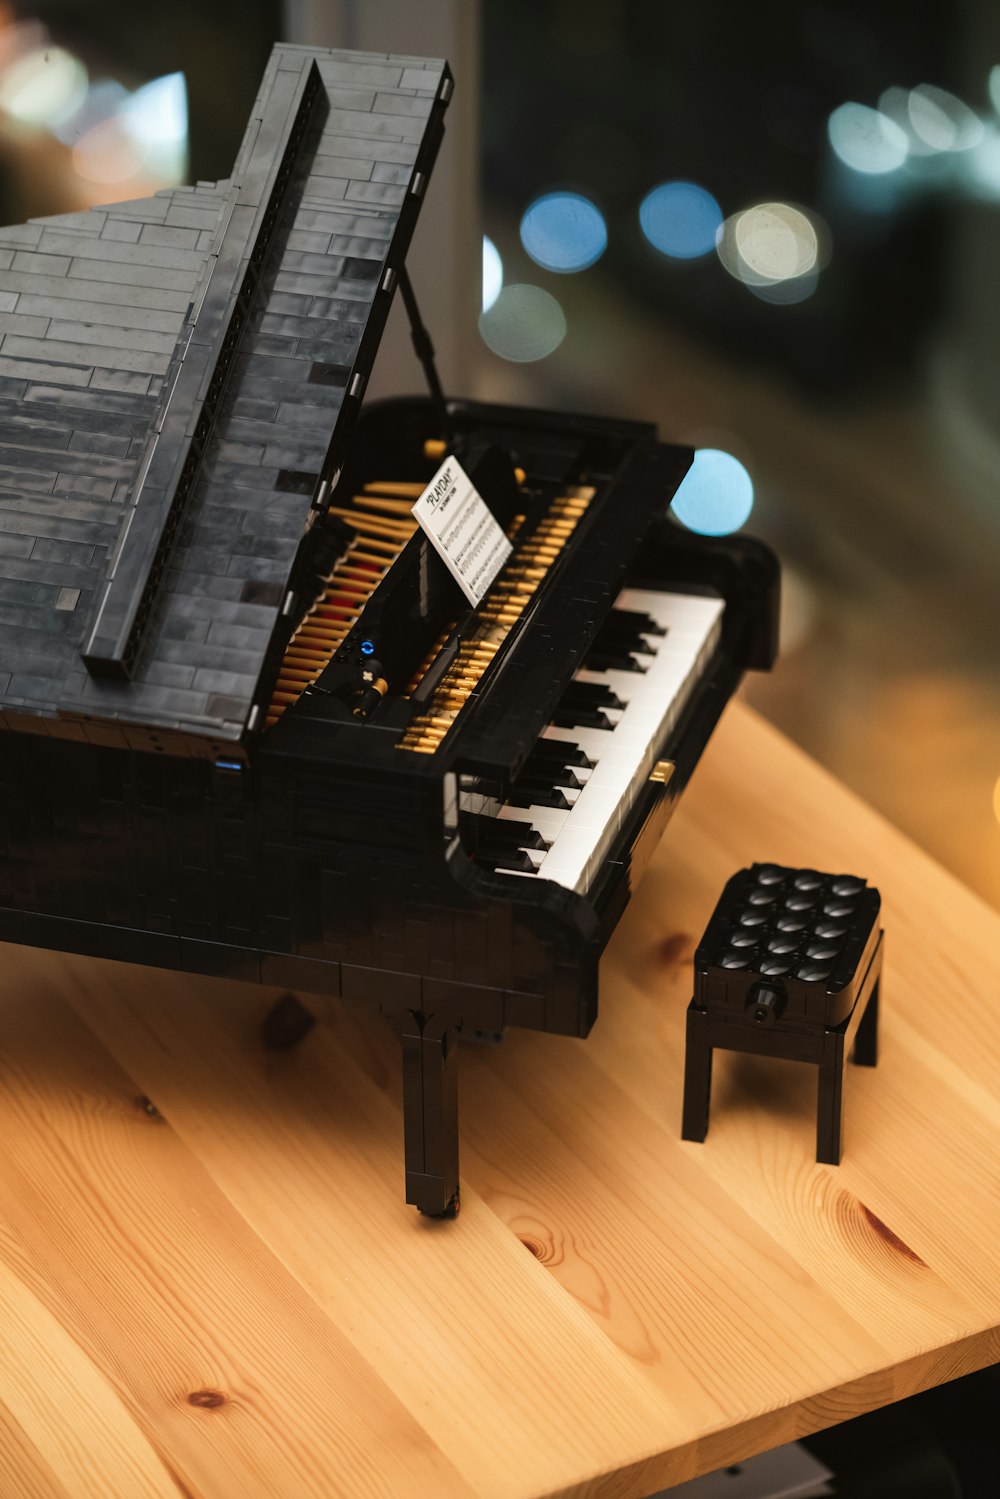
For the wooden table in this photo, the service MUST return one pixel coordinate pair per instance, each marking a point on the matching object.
(209, 1284)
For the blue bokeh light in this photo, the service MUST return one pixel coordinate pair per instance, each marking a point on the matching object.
(680, 219)
(715, 495)
(564, 232)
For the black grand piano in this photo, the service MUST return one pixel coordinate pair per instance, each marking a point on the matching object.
(252, 727)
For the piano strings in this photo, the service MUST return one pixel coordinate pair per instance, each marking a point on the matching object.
(381, 519)
(497, 615)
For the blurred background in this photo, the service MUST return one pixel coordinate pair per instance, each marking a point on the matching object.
(772, 229)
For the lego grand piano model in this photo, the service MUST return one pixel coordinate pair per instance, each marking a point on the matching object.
(251, 727)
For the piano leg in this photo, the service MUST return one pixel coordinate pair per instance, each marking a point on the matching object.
(430, 1110)
(697, 1075)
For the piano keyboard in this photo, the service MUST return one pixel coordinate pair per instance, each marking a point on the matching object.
(577, 787)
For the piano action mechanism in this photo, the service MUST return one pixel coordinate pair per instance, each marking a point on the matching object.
(252, 727)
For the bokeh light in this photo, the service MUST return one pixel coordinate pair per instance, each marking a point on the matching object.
(716, 494)
(776, 250)
(108, 154)
(525, 323)
(564, 232)
(981, 166)
(785, 293)
(994, 87)
(43, 87)
(681, 220)
(156, 116)
(866, 140)
(492, 273)
(102, 100)
(942, 122)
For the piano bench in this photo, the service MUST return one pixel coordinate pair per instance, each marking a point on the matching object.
(789, 966)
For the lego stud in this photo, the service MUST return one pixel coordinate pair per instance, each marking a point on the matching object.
(765, 1004)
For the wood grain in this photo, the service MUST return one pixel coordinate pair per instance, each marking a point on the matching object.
(209, 1283)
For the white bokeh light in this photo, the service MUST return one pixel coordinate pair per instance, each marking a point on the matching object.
(43, 87)
(942, 122)
(866, 140)
(524, 324)
(776, 250)
(492, 273)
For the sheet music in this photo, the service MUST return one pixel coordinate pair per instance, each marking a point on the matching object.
(462, 529)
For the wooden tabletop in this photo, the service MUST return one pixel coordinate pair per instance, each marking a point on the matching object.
(210, 1286)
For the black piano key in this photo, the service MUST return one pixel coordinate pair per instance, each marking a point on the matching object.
(506, 832)
(607, 659)
(550, 771)
(621, 638)
(581, 718)
(511, 858)
(565, 751)
(591, 695)
(538, 796)
(634, 619)
(540, 792)
(582, 705)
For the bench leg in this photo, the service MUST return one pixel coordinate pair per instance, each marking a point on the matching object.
(865, 1052)
(829, 1110)
(697, 1076)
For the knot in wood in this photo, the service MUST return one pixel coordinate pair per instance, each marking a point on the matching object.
(207, 1399)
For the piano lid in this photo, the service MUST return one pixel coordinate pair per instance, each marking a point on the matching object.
(179, 376)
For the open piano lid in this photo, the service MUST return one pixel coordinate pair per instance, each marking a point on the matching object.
(179, 378)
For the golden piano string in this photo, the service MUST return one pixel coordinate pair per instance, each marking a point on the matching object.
(381, 519)
(499, 612)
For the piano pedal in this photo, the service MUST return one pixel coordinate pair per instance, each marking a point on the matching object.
(286, 1024)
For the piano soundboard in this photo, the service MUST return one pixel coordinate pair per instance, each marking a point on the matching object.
(249, 724)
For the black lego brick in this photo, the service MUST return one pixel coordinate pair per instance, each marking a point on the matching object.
(11, 924)
(220, 960)
(128, 945)
(62, 934)
(286, 971)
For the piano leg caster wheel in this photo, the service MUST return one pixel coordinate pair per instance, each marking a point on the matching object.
(451, 1211)
(286, 1024)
